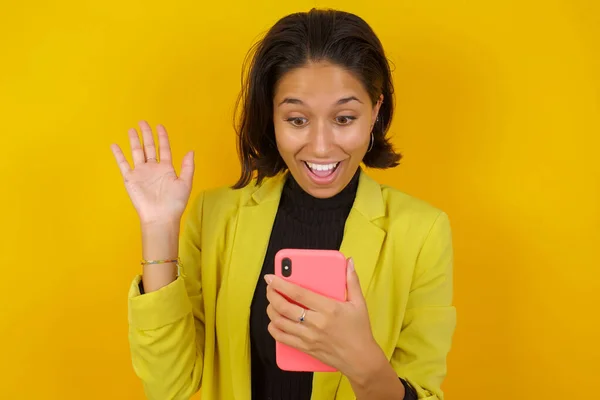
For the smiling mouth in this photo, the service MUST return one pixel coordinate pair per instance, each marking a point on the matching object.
(322, 170)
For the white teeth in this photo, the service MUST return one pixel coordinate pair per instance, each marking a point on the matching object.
(322, 167)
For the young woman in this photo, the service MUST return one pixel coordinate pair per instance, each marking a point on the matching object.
(207, 310)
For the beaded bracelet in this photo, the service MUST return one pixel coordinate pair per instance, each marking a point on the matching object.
(177, 262)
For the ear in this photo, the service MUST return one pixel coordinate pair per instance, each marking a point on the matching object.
(376, 108)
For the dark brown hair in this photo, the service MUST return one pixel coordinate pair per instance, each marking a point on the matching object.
(338, 37)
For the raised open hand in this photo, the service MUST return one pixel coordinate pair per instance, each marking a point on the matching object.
(157, 193)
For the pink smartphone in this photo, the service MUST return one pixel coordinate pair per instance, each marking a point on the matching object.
(323, 272)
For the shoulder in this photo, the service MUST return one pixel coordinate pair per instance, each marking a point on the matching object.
(404, 217)
(422, 228)
(411, 215)
(380, 200)
(217, 202)
(400, 204)
(226, 196)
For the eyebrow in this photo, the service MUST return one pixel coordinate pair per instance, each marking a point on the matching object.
(344, 100)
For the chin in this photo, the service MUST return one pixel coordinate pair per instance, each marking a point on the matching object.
(324, 193)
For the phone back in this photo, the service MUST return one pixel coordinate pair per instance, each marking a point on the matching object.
(321, 271)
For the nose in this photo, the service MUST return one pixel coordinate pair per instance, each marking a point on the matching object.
(321, 139)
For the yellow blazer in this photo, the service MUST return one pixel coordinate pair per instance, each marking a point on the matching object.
(194, 333)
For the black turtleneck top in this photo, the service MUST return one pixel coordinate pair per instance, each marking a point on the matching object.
(302, 222)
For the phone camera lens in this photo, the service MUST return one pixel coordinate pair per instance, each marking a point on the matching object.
(286, 267)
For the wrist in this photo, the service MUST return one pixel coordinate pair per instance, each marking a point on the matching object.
(372, 364)
(159, 225)
(160, 241)
(376, 379)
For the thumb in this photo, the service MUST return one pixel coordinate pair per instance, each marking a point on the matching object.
(187, 168)
(352, 284)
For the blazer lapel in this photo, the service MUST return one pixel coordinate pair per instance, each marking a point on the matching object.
(362, 241)
(362, 237)
(252, 233)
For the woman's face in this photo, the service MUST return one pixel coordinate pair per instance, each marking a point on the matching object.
(323, 119)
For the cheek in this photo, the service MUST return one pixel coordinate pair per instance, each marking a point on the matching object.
(288, 142)
(355, 138)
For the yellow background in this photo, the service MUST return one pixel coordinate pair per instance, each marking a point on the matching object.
(498, 117)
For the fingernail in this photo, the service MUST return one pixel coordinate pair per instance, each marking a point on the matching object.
(351, 264)
(268, 279)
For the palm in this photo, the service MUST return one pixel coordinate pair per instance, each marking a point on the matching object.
(155, 190)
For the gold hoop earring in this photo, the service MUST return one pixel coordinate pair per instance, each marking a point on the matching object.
(371, 142)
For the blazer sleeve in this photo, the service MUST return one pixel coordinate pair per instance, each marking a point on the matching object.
(430, 318)
(166, 327)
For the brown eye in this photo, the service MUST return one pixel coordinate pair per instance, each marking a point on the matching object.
(298, 122)
(344, 119)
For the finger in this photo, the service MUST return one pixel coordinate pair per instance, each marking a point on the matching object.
(164, 147)
(283, 323)
(297, 294)
(121, 160)
(286, 338)
(148, 138)
(187, 168)
(137, 152)
(355, 294)
(282, 306)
